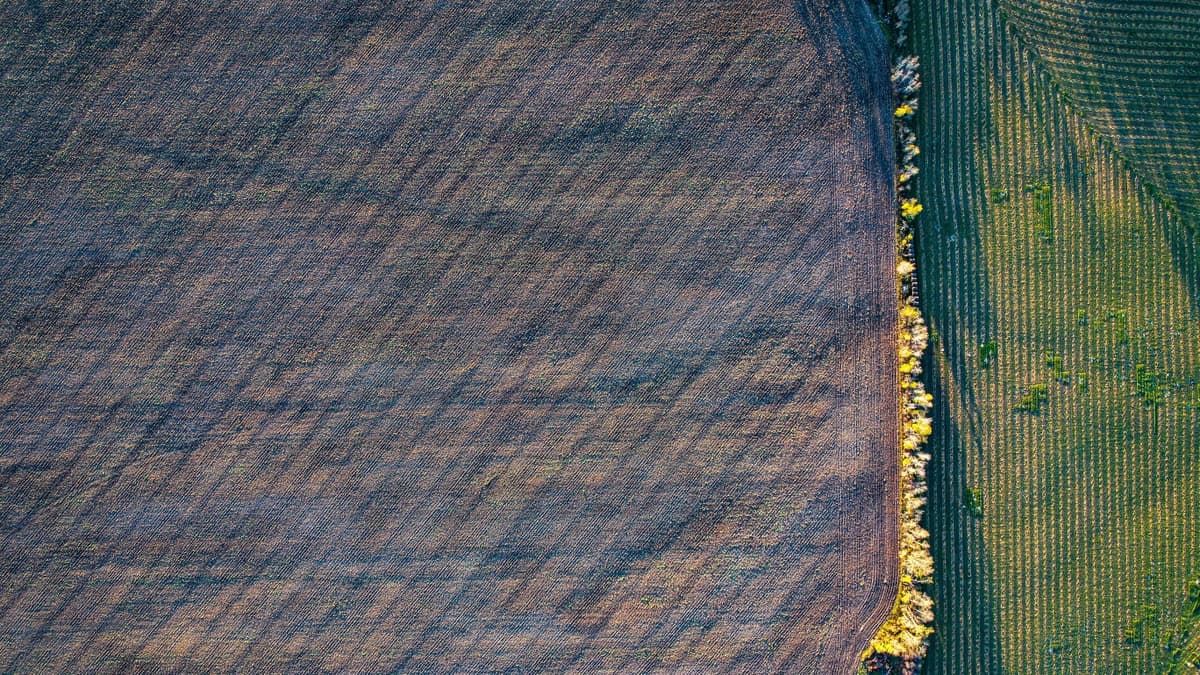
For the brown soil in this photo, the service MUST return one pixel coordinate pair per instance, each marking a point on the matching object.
(494, 337)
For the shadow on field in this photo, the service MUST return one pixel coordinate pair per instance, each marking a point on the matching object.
(1185, 253)
(956, 299)
(863, 81)
(960, 315)
(963, 592)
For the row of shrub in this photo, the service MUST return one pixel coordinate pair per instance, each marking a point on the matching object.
(902, 641)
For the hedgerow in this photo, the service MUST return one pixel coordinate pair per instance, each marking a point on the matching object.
(902, 641)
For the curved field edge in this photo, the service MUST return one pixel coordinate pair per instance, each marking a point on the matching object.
(1128, 71)
(1065, 366)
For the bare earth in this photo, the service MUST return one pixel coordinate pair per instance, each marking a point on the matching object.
(445, 337)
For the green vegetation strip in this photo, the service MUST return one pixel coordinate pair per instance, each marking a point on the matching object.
(1059, 270)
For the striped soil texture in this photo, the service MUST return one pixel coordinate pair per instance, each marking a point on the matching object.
(445, 337)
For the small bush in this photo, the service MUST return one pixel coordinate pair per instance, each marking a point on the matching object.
(910, 208)
(987, 354)
(1033, 401)
(1149, 385)
(1043, 205)
(973, 502)
(1143, 627)
(1055, 363)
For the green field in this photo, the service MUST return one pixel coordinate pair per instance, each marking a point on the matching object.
(1058, 262)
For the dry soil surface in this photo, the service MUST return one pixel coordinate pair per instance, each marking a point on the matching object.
(445, 336)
